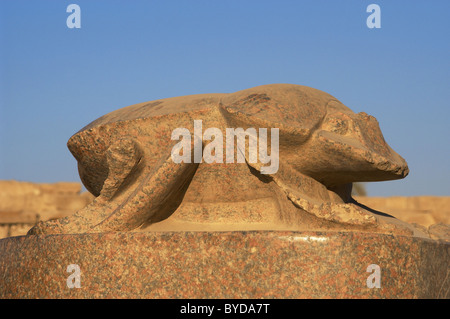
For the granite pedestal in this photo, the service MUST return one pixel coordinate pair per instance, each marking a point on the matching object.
(236, 264)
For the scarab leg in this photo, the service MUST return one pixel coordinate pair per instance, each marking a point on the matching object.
(133, 193)
(314, 198)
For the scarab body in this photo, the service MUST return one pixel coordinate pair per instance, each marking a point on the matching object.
(124, 158)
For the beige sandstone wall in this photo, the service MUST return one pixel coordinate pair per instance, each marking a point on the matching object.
(22, 204)
(422, 210)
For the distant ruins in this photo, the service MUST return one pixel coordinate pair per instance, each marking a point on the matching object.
(22, 204)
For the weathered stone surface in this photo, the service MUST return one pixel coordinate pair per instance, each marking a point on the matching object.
(440, 231)
(257, 264)
(4, 231)
(124, 158)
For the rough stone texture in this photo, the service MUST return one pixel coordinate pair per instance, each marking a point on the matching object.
(257, 264)
(4, 231)
(22, 204)
(124, 158)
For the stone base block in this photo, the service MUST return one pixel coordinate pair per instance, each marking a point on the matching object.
(253, 264)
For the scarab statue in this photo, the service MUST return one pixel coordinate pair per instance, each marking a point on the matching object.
(125, 158)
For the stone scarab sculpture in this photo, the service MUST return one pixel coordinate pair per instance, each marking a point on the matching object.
(125, 159)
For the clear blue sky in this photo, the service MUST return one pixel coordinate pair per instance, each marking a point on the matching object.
(55, 80)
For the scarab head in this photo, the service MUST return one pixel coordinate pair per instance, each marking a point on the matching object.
(319, 136)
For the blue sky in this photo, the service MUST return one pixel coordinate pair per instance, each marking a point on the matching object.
(55, 80)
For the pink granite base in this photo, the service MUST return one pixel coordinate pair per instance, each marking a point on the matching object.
(254, 264)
